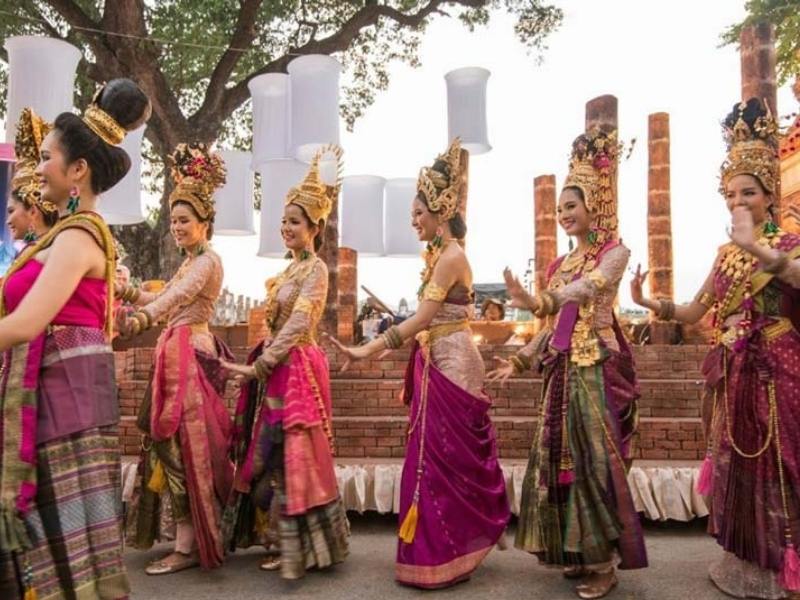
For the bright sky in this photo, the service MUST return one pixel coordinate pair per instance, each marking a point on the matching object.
(654, 56)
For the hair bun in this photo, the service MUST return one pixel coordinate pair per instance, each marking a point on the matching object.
(123, 100)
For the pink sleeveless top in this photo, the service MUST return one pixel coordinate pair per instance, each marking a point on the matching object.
(85, 308)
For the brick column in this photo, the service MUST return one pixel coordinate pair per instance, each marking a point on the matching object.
(602, 112)
(757, 52)
(348, 294)
(330, 254)
(544, 227)
(659, 222)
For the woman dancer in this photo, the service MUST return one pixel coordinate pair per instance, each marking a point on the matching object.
(184, 419)
(752, 404)
(60, 501)
(453, 505)
(576, 509)
(29, 215)
(284, 437)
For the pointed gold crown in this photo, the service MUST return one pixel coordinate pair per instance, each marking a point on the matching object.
(441, 190)
(31, 130)
(752, 150)
(197, 173)
(313, 195)
(593, 169)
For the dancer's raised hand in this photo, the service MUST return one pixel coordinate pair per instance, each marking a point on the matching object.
(637, 295)
(520, 298)
(502, 371)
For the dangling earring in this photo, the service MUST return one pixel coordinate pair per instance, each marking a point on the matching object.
(571, 244)
(30, 235)
(770, 228)
(74, 200)
(592, 237)
(437, 239)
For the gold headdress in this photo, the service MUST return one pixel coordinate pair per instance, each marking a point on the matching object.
(31, 130)
(441, 190)
(313, 195)
(197, 173)
(593, 169)
(102, 123)
(752, 150)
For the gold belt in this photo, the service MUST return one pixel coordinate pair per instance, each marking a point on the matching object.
(199, 327)
(436, 332)
(771, 332)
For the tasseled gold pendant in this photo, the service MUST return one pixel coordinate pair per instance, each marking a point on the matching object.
(30, 593)
(158, 480)
(409, 526)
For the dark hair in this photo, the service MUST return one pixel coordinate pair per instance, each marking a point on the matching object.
(319, 238)
(50, 218)
(749, 112)
(209, 222)
(577, 190)
(493, 302)
(126, 103)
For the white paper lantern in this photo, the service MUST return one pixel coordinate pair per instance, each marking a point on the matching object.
(314, 97)
(399, 237)
(122, 204)
(41, 74)
(234, 200)
(277, 177)
(361, 222)
(466, 108)
(271, 116)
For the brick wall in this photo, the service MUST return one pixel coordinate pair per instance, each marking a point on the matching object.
(370, 419)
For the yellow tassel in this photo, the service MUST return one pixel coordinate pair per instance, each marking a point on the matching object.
(30, 593)
(158, 481)
(262, 521)
(409, 526)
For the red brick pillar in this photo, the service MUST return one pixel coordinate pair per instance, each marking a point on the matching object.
(602, 112)
(348, 294)
(544, 227)
(759, 80)
(659, 222)
(330, 254)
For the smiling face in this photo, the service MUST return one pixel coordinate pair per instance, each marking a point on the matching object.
(424, 222)
(57, 177)
(187, 229)
(573, 216)
(745, 190)
(296, 230)
(19, 219)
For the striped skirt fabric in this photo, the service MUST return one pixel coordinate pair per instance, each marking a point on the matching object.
(76, 524)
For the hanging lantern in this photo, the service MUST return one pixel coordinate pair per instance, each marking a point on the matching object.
(277, 176)
(466, 108)
(41, 74)
(271, 118)
(314, 82)
(399, 237)
(234, 200)
(361, 222)
(122, 204)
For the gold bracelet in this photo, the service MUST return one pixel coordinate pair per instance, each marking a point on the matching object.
(143, 319)
(517, 364)
(392, 338)
(666, 310)
(262, 369)
(547, 305)
(705, 298)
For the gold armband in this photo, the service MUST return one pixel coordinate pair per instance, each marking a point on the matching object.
(434, 292)
(547, 305)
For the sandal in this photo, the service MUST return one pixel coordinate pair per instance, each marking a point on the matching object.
(164, 566)
(270, 563)
(597, 585)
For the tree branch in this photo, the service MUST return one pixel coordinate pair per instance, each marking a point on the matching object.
(243, 35)
(338, 42)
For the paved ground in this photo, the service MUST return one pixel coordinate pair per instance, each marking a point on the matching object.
(679, 555)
